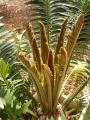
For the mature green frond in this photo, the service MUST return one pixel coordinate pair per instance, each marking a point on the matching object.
(51, 13)
(9, 50)
(3, 34)
(18, 86)
(82, 5)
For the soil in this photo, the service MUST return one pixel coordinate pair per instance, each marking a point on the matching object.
(15, 14)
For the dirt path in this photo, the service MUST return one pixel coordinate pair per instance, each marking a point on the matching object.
(15, 14)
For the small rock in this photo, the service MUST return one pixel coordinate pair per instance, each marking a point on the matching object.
(39, 111)
(59, 107)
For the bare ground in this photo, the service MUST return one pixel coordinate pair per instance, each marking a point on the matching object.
(15, 15)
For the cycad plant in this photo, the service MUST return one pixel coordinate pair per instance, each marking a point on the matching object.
(48, 68)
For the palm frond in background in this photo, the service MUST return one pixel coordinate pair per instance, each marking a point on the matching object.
(3, 34)
(9, 50)
(18, 86)
(51, 13)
